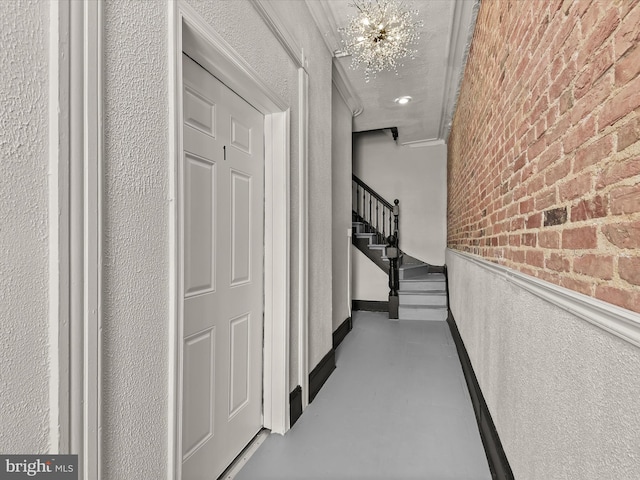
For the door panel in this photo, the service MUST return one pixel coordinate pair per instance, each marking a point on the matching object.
(199, 224)
(222, 184)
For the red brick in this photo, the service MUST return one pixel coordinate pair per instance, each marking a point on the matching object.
(516, 224)
(557, 262)
(557, 172)
(597, 266)
(535, 258)
(629, 134)
(562, 82)
(559, 129)
(549, 239)
(529, 239)
(628, 35)
(629, 269)
(546, 199)
(535, 185)
(593, 153)
(576, 187)
(584, 107)
(625, 101)
(623, 234)
(576, 285)
(618, 171)
(566, 101)
(593, 71)
(588, 209)
(536, 149)
(533, 221)
(625, 199)
(517, 256)
(514, 240)
(580, 238)
(605, 28)
(579, 134)
(628, 67)
(618, 296)
(551, 154)
(548, 276)
(527, 205)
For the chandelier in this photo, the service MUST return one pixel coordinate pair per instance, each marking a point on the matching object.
(380, 35)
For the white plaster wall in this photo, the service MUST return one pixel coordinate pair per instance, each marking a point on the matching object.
(418, 178)
(137, 208)
(24, 192)
(368, 281)
(136, 233)
(562, 392)
(341, 205)
(299, 21)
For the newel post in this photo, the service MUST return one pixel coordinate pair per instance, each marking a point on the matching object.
(396, 215)
(392, 253)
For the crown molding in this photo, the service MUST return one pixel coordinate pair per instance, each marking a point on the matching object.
(618, 321)
(345, 88)
(326, 23)
(461, 34)
(282, 33)
(432, 142)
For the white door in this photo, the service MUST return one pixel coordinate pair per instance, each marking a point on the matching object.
(223, 197)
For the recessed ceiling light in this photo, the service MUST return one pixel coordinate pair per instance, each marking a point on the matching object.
(403, 100)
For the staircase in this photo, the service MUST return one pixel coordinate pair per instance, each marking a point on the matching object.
(421, 288)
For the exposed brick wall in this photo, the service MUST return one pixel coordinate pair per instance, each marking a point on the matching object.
(544, 151)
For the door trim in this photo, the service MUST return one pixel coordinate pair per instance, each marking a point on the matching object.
(75, 189)
(188, 30)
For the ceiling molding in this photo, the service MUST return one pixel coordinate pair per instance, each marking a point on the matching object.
(424, 143)
(346, 90)
(326, 23)
(461, 34)
(283, 35)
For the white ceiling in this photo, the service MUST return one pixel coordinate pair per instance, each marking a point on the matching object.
(432, 78)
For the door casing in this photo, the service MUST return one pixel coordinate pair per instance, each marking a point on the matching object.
(189, 32)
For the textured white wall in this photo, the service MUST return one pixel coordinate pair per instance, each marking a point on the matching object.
(24, 250)
(562, 392)
(368, 281)
(136, 205)
(136, 234)
(341, 205)
(418, 178)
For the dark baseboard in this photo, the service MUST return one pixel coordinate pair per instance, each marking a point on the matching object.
(370, 305)
(295, 405)
(341, 332)
(321, 373)
(498, 463)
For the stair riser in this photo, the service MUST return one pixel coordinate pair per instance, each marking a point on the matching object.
(435, 300)
(423, 286)
(412, 272)
(427, 314)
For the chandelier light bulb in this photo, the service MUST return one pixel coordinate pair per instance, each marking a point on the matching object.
(381, 35)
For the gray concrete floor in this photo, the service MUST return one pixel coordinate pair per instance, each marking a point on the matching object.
(396, 407)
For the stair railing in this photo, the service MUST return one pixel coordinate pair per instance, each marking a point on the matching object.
(382, 219)
(377, 214)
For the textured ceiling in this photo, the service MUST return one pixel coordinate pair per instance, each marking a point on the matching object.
(432, 78)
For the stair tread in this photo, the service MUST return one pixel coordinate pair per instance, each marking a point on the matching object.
(422, 279)
(426, 307)
(422, 292)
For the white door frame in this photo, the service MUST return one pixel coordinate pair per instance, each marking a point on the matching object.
(188, 29)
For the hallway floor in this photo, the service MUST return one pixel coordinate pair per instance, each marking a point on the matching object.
(396, 407)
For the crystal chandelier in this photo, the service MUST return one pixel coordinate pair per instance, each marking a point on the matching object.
(380, 35)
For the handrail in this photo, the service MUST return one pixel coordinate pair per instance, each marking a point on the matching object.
(372, 191)
(384, 214)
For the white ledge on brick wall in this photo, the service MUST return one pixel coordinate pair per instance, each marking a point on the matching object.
(618, 321)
